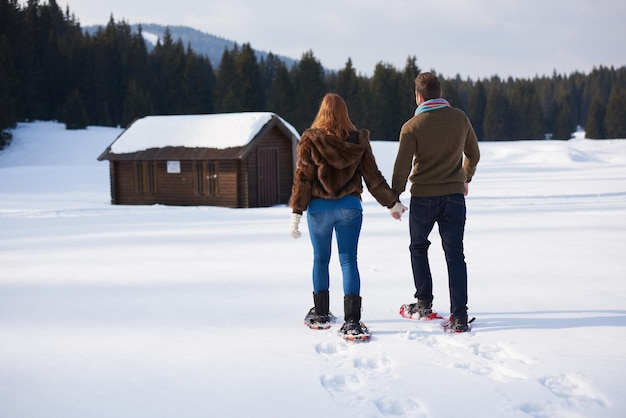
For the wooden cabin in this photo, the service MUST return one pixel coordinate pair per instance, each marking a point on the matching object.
(236, 160)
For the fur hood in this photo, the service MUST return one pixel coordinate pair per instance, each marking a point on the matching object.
(329, 167)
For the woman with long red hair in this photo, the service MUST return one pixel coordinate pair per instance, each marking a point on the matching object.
(333, 160)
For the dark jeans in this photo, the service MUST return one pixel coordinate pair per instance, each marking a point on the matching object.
(449, 213)
(347, 225)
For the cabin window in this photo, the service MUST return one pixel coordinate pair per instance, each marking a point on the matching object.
(206, 178)
(144, 176)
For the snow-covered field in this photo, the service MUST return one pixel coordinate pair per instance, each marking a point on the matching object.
(155, 311)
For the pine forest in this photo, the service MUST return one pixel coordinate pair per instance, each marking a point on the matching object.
(51, 69)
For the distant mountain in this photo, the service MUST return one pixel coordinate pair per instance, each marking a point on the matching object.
(202, 43)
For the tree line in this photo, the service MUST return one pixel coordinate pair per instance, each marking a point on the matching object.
(50, 69)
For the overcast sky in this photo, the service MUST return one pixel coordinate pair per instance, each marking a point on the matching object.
(473, 38)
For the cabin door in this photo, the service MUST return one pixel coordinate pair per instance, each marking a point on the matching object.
(267, 173)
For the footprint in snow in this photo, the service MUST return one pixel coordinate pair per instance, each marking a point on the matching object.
(363, 377)
(571, 395)
(375, 366)
(501, 362)
(329, 348)
(400, 407)
(574, 389)
(341, 383)
(498, 361)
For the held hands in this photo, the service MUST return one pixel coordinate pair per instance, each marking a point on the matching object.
(397, 210)
(396, 213)
(293, 227)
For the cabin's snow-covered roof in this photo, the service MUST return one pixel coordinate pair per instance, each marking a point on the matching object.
(223, 130)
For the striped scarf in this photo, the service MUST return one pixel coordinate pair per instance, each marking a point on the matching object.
(432, 104)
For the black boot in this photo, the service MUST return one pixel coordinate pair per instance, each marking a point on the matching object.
(352, 308)
(319, 316)
(321, 302)
(353, 328)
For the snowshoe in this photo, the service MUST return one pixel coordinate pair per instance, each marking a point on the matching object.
(353, 330)
(315, 321)
(420, 313)
(458, 325)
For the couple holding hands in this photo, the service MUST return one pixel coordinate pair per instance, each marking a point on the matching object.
(438, 153)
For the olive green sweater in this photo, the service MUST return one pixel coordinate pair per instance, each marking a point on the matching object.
(431, 153)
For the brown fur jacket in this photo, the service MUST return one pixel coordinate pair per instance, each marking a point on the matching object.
(331, 168)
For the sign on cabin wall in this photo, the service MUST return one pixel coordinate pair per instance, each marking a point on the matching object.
(173, 167)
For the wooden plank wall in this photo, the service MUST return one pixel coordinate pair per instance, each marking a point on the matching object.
(173, 188)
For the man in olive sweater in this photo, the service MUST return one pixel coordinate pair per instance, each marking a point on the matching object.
(438, 153)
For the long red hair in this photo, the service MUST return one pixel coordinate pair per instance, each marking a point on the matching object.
(333, 116)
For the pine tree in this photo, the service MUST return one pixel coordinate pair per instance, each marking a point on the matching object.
(476, 108)
(110, 74)
(594, 127)
(526, 116)
(138, 104)
(199, 84)
(170, 65)
(282, 98)
(8, 80)
(10, 26)
(31, 69)
(310, 87)
(269, 67)
(249, 80)
(139, 69)
(54, 31)
(7, 86)
(615, 119)
(496, 125)
(388, 112)
(74, 114)
(564, 121)
(347, 86)
(596, 85)
(407, 86)
(227, 96)
(363, 107)
(450, 91)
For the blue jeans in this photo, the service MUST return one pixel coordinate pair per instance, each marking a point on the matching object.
(347, 225)
(449, 213)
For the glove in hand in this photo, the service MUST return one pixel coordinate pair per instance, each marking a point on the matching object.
(397, 210)
(293, 227)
